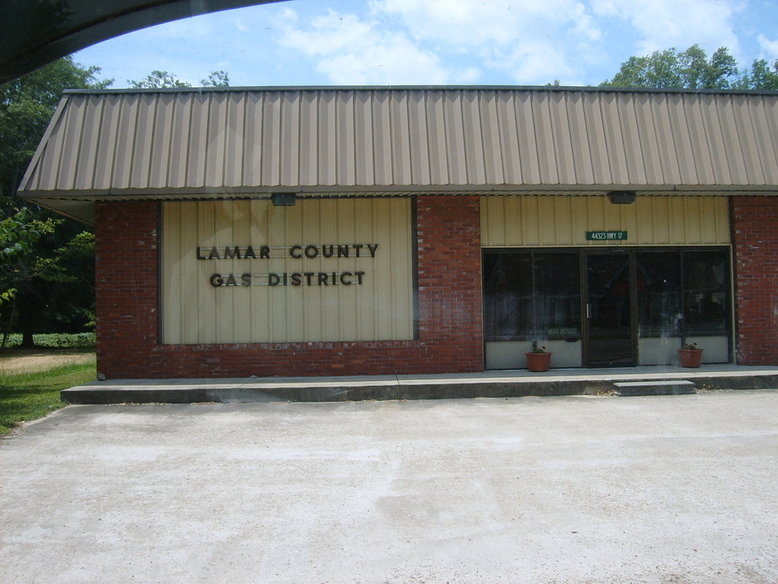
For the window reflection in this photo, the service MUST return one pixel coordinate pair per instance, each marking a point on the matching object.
(532, 295)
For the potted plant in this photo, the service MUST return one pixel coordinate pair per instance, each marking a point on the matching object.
(538, 359)
(690, 355)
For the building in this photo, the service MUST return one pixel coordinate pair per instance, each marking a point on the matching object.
(327, 231)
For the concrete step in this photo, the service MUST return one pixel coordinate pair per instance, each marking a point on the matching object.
(663, 387)
(494, 384)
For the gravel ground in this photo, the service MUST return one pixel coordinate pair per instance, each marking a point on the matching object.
(563, 490)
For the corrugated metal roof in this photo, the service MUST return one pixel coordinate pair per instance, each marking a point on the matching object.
(243, 142)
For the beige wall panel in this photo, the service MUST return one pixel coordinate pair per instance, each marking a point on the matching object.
(534, 221)
(529, 221)
(563, 224)
(195, 312)
(627, 217)
(242, 303)
(261, 305)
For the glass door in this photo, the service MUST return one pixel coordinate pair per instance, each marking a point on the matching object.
(610, 316)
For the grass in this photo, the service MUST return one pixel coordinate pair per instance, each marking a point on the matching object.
(28, 396)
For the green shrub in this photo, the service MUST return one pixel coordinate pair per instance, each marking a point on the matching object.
(57, 340)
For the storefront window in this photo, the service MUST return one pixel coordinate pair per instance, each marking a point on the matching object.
(659, 293)
(705, 292)
(507, 294)
(531, 295)
(557, 296)
(536, 294)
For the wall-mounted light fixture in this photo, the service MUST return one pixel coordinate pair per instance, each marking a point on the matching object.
(622, 197)
(283, 199)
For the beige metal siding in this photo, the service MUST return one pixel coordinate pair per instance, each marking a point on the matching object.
(564, 221)
(400, 140)
(381, 308)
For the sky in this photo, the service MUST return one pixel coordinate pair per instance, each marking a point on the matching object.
(434, 42)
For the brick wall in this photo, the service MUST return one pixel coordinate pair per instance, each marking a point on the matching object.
(449, 307)
(755, 239)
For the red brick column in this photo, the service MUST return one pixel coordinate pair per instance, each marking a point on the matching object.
(126, 284)
(450, 337)
(450, 281)
(755, 239)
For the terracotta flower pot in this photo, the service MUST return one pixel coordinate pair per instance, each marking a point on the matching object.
(690, 357)
(538, 361)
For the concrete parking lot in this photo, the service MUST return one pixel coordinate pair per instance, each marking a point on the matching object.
(662, 489)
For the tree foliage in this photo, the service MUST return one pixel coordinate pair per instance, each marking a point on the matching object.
(693, 69)
(166, 80)
(42, 283)
(760, 76)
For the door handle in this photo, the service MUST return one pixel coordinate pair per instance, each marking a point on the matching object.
(588, 310)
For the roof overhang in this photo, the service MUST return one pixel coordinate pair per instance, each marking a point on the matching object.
(242, 143)
(83, 208)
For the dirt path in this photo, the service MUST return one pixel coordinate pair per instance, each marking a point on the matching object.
(14, 361)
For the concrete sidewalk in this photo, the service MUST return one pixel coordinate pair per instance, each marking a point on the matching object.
(510, 383)
(564, 490)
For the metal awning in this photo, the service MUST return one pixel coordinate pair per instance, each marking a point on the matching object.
(251, 142)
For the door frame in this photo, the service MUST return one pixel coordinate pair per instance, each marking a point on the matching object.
(629, 253)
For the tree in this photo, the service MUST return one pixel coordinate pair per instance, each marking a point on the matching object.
(692, 69)
(761, 76)
(20, 234)
(36, 289)
(166, 80)
(689, 69)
